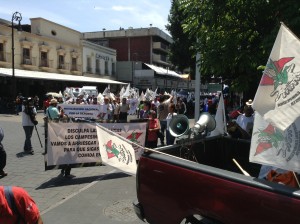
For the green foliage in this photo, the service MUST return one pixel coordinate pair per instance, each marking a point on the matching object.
(181, 51)
(235, 37)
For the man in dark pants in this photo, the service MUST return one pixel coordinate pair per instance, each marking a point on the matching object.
(28, 110)
(2, 155)
(165, 100)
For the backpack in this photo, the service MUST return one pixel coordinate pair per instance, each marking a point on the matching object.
(9, 196)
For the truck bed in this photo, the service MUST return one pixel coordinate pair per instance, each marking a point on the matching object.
(170, 188)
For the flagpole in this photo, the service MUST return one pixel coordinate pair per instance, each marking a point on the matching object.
(135, 144)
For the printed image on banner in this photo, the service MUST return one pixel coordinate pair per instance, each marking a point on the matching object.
(278, 95)
(134, 132)
(116, 152)
(71, 143)
(271, 146)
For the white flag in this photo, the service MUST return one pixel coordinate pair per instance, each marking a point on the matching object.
(271, 146)
(116, 152)
(220, 118)
(278, 96)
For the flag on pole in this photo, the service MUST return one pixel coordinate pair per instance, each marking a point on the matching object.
(116, 152)
(271, 146)
(220, 118)
(278, 95)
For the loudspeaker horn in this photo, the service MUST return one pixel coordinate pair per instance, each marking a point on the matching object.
(205, 122)
(179, 125)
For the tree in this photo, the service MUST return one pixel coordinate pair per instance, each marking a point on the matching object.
(181, 51)
(235, 37)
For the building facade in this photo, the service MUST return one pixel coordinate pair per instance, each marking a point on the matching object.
(49, 57)
(148, 45)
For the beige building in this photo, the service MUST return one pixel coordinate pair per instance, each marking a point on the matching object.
(50, 57)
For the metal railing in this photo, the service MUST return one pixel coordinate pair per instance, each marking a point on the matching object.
(75, 67)
(29, 61)
(46, 63)
(63, 66)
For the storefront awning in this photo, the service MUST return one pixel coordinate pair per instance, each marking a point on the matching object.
(163, 71)
(26, 74)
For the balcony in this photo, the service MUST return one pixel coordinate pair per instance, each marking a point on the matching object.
(160, 46)
(160, 59)
(63, 67)
(46, 64)
(76, 69)
(29, 63)
(5, 59)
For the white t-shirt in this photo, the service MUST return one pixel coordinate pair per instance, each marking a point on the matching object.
(25, 117)
(169, 118)
(245, 123)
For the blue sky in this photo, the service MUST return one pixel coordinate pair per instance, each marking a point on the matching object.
(92, 15)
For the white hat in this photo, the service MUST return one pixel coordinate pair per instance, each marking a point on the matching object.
(53, 101)
(249, 102)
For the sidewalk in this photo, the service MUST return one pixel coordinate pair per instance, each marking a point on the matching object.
(96, 195)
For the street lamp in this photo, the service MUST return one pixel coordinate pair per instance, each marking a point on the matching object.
(15, 17)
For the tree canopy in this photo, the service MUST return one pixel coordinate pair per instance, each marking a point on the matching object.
(181, 51)
(235, 37)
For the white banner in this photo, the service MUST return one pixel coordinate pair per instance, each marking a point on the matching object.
(82, 110)
(135, 132)
(116, 152)
(71, 143)
(271, 146)
(278, 96)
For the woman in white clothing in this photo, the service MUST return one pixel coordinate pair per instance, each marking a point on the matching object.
(170, 138)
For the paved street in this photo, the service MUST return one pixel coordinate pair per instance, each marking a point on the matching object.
(95, 195)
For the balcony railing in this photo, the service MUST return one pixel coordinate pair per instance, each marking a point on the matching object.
(46, 63)
(63, 66)
(75, 68)
(29, 61)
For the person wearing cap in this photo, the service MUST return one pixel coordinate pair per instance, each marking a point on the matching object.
(28, 110)
(152, 131)
(52, 111)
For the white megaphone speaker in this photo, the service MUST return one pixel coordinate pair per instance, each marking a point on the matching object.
(179, 125)
(206, 123)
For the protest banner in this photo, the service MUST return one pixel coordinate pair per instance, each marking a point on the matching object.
(89, 111)
(273, 147)
(278, 95)
(77, 143)
(116, 151)
(72, 143)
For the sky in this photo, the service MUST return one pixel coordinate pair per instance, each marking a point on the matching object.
(92, 15)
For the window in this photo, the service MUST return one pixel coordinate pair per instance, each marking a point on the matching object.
(88, 64)
(74, 64)
(26, 56)
(61, 60)
(113, 68)
(97, 66)
(44, 59)
(106, 67)
(2, 52)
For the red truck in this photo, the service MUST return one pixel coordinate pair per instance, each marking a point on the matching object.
(211, 188)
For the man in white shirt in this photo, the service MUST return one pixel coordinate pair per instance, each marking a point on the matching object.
(246, 120)
(28, 111)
